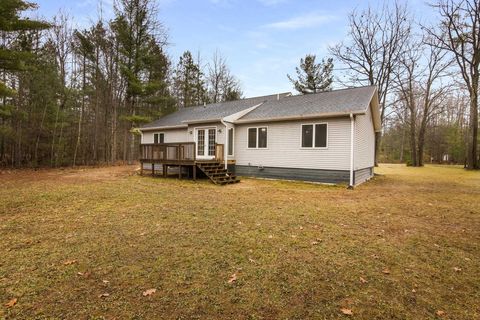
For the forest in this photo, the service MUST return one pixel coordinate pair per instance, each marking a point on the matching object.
(73, 96)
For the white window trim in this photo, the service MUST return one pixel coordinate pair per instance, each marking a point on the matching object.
(159, 133)
(256, 138)
(233, 141)
(313, 137)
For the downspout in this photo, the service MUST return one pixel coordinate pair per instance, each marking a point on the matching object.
(352, 139)
(225, 151)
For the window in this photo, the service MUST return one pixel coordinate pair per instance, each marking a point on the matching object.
(252, 137)
(314, 135)
(158, 138)
(262, 137)
(230, 142)
(201, 142)
(211, 141)
(257, 138)
(321, 135)
(307, 136)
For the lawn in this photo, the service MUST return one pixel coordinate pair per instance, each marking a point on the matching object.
(91, 243)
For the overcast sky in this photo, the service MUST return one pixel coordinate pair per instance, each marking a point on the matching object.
(263, 40)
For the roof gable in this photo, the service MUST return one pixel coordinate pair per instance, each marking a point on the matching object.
(210, 112)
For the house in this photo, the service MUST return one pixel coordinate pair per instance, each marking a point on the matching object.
(323, 137)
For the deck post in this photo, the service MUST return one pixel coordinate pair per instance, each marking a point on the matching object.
(179, 172)
(141, 168)
(165, 169)
(194, 172)
(153, 169)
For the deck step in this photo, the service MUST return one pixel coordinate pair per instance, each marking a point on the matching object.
(217, 173)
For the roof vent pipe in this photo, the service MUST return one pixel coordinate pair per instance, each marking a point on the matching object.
(278, 96)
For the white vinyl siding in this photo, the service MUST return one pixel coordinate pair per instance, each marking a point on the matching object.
(170, 135)
(284, 146)
(364, 154)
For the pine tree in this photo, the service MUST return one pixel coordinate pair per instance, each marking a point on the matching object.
(139, 35)
(12, 60)
(313, 77)
(189, 82)
(10, 23)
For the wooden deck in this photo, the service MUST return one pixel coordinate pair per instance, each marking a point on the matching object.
(181, 154)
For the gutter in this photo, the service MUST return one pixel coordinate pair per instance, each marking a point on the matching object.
(182, 126)
(309, 116)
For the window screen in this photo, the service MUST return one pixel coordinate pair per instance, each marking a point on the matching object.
(161, 138)
(262, 137)
(321, 135)
(252, 137)
(307, 136)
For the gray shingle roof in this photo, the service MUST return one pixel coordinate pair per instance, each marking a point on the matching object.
(214, 111)
(337, 101)
(284, 105)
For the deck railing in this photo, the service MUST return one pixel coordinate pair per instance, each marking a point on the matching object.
(175, 152)
(183, 151)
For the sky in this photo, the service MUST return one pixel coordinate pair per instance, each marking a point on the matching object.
(262, 40)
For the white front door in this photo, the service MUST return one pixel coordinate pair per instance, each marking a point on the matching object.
(206, 139)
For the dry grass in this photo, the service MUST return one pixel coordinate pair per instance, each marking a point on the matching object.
(298, 250)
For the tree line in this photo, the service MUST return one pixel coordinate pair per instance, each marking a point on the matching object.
(427, 78)
(71, 96)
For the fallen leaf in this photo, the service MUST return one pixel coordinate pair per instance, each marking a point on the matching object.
(386, 271)
(251, 260)
(11, 303)
(83, 274)
(233, 278)
(105, 281)
(314, 243)
(270, 236)
(347, 312)
(149, 292)
(362, 280)
(104, 295)
(69, 262)
(457, 269)
(440, 313)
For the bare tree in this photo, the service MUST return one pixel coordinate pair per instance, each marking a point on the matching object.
(459, 34)
(60, 37)
(222, 85)
(377, 40)
(216, 72)
(421, 90)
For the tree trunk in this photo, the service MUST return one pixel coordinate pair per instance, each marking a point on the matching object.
(472, 161)
(413, 144)
(421, 140)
